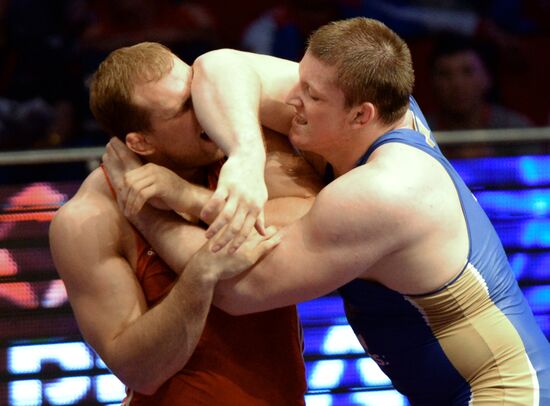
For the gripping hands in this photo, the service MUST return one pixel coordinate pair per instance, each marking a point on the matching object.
(237, 204)
(232, 211)
(223, 264)
(137, 184)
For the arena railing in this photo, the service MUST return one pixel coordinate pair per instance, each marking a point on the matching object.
(92, 155)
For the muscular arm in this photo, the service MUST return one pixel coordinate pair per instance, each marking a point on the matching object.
(235, 84)
(338, 240)
(142, 346)
(235, 91)
(292, 186)
(230, 88)
(286, 173)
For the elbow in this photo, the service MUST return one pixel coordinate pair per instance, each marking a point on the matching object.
(213, 61)
(242, 295)
(136, 378)
(145, 389)
(232, 311)
(229, 304)
(141, 384)
(235, 310)
(149, 389)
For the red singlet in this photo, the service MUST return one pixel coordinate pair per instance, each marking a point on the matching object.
(251, 360)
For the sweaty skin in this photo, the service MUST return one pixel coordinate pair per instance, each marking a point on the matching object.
(94, 251)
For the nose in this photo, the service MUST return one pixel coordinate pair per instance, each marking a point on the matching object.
(293, 97)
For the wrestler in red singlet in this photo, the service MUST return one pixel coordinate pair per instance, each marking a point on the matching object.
(251, 360)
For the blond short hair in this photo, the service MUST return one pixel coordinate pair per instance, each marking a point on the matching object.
(113, 84)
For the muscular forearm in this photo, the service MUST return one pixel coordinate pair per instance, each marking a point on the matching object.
(193, 198)
(159, 343)
(174, 239)
(244, 82)
(266, 286)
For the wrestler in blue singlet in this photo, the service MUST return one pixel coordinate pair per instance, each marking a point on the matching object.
(472, 342)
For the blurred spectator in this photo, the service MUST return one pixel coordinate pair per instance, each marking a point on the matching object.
(34, 124)
(40, 83)
(24, 124)
(463, 86)
(39, 45)
(186, 27)
(538, 11)
(465, 97)
(283, 30)
(493, 19)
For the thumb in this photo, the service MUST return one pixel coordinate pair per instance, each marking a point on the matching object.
(260, 224)
(214, 205)
(271, 242)
(270, 231)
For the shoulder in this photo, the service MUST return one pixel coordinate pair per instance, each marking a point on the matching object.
(393, 189)
(279, 151)
(358, 219)
(92, 200)
(378, 182)
(91, 216)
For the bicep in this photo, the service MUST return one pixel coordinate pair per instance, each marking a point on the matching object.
(338, 240)
(312, 259)
(102, 287)
(277, 77)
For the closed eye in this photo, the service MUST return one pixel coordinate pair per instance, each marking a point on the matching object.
(311, 94)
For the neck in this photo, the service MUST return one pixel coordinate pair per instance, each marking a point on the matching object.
(197, 175)
(344, 159)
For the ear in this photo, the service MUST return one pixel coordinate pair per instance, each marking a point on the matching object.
(139, 143)
(362, 114)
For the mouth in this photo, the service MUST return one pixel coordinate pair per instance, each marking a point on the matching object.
(299, 120)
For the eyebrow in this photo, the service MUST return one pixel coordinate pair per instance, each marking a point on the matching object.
(313, 89)
(187, 103)
(306, 84)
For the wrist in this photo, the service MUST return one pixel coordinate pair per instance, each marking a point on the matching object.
(184, 197)
(194, 198)
(203, 279)
(251, 160)
(248, 148)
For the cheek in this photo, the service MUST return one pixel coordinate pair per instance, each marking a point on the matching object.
(319, 116)
(185, 123)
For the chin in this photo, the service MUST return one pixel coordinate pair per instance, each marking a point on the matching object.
(297, 140)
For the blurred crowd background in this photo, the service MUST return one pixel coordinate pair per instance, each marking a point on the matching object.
(479, 64)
